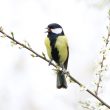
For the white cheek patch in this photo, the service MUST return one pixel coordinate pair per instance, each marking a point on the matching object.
(57, 30)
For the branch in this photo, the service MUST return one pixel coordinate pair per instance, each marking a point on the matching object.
(24, 46)
(45, 59)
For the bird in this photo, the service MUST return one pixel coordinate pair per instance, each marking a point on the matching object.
(58, 51)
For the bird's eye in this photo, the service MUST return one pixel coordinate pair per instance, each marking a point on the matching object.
(57, 30)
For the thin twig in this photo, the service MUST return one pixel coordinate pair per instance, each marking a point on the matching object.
(89, 91)
(44, 58)
(30, 49)
(98, 84)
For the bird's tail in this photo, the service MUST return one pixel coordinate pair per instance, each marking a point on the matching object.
(61, 80)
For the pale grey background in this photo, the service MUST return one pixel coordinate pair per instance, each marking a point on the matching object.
(28, 83)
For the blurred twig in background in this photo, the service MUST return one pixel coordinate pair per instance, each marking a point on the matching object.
(103, 67)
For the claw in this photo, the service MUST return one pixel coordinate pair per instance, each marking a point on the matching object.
(50, 62)
(64, 70)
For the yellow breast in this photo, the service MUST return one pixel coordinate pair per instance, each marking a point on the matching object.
(62, 47)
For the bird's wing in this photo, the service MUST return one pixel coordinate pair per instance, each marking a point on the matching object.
(62, 47)
(47, 44)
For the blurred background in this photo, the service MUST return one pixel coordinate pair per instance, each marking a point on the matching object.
(28, 83)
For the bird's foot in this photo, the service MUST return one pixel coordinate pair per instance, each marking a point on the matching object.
(50, 62)
(64, 71)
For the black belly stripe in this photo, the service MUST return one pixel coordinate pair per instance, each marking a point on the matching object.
(55, 55)
(54, 52)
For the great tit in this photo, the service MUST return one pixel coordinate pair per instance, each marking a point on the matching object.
(57, 49)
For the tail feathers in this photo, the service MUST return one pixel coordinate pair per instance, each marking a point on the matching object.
(61, 80)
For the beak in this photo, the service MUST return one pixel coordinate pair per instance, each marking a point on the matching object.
(46, 30)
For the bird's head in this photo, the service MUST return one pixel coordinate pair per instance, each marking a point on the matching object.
(55, 29)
